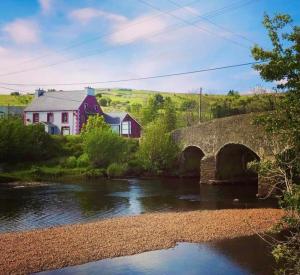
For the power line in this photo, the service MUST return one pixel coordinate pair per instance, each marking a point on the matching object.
(211, 22)
(80, 57)
(80, 43)
(137, 78)
(193, 24)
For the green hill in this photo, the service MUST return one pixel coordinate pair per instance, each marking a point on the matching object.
(187, 105)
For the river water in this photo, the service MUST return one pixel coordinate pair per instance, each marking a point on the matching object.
(57, 203)
(240, 256)
(53, 204)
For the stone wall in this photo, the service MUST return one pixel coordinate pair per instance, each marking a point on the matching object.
(211, 136)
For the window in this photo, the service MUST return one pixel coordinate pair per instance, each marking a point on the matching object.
(64, 117)
(35, 118)
(85, 106)
(65, 131)
(96, 107)
(126, 127)
(115, 129)
(50, 117)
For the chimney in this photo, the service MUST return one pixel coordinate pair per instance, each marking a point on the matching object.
(39, 92)
(89, 91)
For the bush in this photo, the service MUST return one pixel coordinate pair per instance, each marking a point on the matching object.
(94, 173)
(25, 143)
(83, 161)
(116, 170)
(135, 167)
(103, 146)
(158, 151)
(71, 162)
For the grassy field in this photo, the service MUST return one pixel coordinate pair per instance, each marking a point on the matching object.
(121, 98)
(13, 100)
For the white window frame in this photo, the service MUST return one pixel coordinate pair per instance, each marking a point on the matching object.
(127, 130)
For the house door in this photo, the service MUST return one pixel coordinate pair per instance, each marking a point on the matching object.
(65, 131)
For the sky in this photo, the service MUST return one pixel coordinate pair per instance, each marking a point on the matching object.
(47, 43)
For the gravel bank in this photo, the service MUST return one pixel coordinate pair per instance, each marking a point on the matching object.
(37, 250)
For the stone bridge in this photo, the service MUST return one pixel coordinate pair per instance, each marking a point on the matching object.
(219, 150)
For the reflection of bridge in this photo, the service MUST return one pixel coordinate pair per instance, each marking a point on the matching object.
(220, 149)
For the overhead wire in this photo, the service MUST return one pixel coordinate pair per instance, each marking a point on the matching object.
(212, 22)
(137, 78)
(76, 58)
(193, 24)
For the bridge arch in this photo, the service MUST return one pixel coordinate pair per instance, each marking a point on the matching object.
(190, 162)
(231, 163)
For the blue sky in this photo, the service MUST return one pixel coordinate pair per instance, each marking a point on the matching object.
(63, 41)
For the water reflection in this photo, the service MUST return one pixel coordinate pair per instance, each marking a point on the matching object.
(247, 255)
(57, 203)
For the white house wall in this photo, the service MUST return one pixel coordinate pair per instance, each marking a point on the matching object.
(56, 121)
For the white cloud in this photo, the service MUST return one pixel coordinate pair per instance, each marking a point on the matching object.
(85, 15)
(22, 31)
(46, 6)
(137, 29)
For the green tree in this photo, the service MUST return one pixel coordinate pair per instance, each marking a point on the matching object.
(103, 102)
(150, 111)
(103, 147)
(188, 105)
(169, 117)
(158, 101)
(157, 151)
(233, 93)
(25, 143)
(282, 64)
(94, 122)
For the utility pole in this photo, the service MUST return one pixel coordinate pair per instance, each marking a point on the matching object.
(200, 104)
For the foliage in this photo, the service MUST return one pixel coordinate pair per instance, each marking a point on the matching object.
(25, 143)
(189, 104)
(69, 145)
(282, 64)
(233, 93)
(94, 173)
(158, 151)
(150, 111)
(169, 116)
(135, 167)
(101, 145)
(71, 162)
(83, 161)
(116, 170)
(94, 122)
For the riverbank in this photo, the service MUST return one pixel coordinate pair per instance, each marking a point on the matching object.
(37, 250)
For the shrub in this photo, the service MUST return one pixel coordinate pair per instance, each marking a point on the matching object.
(83, 161)
(25, 143)
(103, 146)
(94, 173)
(71, 162)
(135, 167)
(116, 170)
(158, 151)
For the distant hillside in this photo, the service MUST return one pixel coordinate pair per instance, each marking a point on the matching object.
(187, 105)
(13, 100)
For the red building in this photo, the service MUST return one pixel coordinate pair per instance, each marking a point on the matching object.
(123, 124)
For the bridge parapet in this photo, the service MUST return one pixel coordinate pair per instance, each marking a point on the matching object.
(212, 136)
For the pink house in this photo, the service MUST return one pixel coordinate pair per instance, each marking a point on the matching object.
(62, 112)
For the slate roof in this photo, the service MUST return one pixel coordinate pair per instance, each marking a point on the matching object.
(114, 117)
(57, 101)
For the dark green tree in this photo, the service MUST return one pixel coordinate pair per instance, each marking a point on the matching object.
(282, 64)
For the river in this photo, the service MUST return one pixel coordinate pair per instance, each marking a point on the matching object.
(54, 204)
